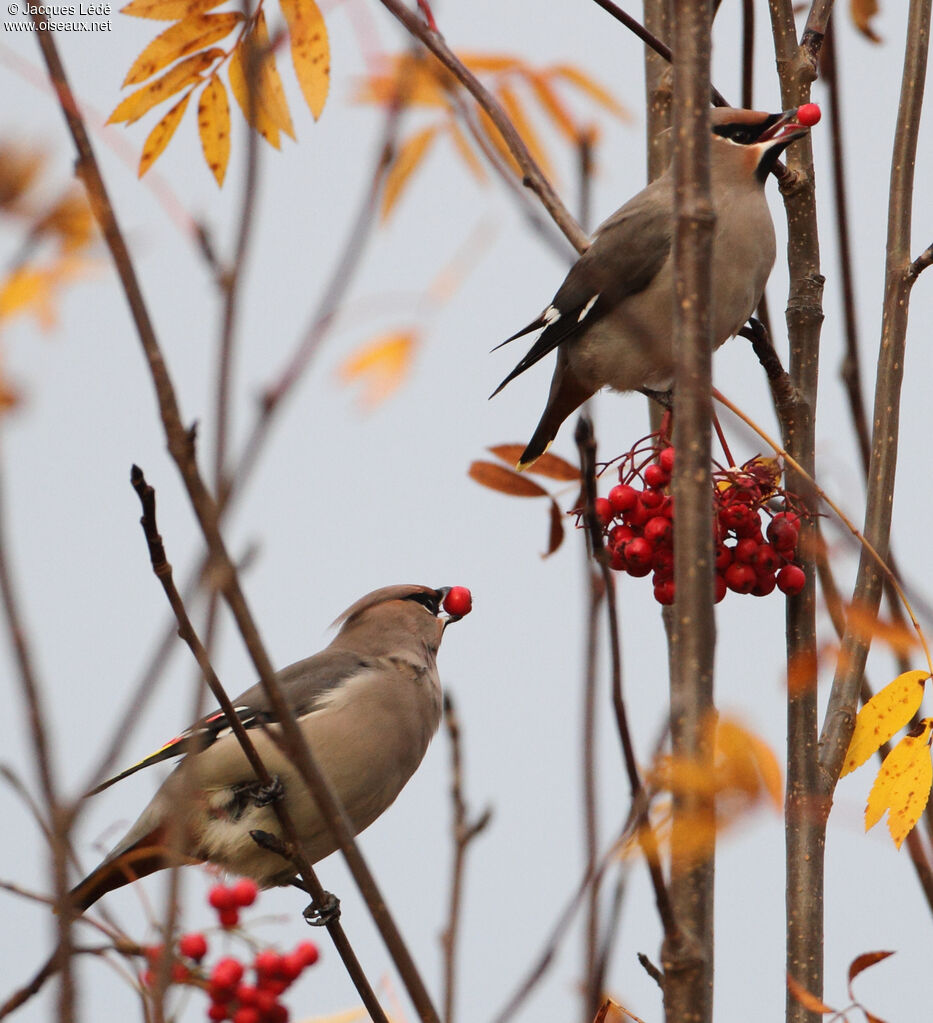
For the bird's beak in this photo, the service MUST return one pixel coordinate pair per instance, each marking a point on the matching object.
(785, 129)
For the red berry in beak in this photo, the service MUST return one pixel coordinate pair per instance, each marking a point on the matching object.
(808, 115)
(458, 602)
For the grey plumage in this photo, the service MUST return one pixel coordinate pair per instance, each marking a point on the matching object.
(610, 320)
(367, 705)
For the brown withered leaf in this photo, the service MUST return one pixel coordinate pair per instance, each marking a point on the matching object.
(556, 533)
(861, 963)
(506, 481)
(310, 48)
(174, 80)
(862, 12)
(214, 127)
(162, 133)
(190, 35)
(552, 466)
(168, 10)
(803, 996)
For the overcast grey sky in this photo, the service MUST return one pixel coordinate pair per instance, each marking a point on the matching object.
(345, 501)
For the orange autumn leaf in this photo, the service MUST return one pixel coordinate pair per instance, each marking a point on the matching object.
(803, 996)
(168, 10)
(268, 112)
(161, 134)
(408, 77)
(19, 168)
(554, 106)
(862, 962)
(467, 154)
(174, 80)
(310, 50)
(497, 141)
(886, 713)
(490, 63)
(506, 481)
(591, 88)
(550, 465)
(70, 221)
(380, 365)
(34, 290)
(214, 127)
(867, 626)
(902, 786)
(189, 35)
(410, 154)
(516, 114)
(862, 12)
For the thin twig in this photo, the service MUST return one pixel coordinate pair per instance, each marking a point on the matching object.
(464, 831)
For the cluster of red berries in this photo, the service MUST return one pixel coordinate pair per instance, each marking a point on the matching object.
(228, 900)
(233, 996)
(257, 1002)
(638, 521)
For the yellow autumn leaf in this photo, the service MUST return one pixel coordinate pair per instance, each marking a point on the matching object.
(214, 127)
(189, 35)
(410, 154)
(35, 289)
(491, 63)
(408, 77)
(162, 133)
(887, 712)
(310, 48)
(380, 365)
(174, 80)
(746, 763)
(269, 109)
(591, 87)
(168, 10)
(902, 786)
(862, 12)
(516, 113)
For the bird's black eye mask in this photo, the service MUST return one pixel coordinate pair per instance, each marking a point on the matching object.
(744, 134)
(430, 599)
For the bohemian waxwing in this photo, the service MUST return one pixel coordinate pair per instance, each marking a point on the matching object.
(368, 705)
(610, 321)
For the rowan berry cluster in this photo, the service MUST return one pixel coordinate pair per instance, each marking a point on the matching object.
(755, 541)
(234, 994)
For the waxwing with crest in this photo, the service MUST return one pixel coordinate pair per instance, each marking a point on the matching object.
(367, 705)
(610, 320)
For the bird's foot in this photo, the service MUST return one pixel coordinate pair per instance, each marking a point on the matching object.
(263, 795)
(323, 912)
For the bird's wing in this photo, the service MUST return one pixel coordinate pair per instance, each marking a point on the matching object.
(302, 683)
(627, 252)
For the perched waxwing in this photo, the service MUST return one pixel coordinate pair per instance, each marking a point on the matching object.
(610, 320)
(368, 705)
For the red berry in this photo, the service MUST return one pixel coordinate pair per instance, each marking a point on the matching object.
(655, 476)
(767, 560)
(267, 962)
(307, 952)
(180, 973)
(764, 584)
(783, 533)
(720, 588)
(245, 891)
(663, 563)
(659, 530)
(265, 1001)
(737, 517)
(458, 602)
(740, 578)
(229, 917)
(219, 993)
(278, 1014)
(227, 973)
(603, 511)
(664, 592)
(194, 946)
(638, 554)
(291, 967)
(246, 994)
(651, 498)
(617, 559)
(638, 515)
(153, 954)
(723, 557)
(221, 897)
(622, 498)
(620, 535)
(791, 580)
(246, 1014)
(217, 1012)
(745, 551)
(808, 114)
(666, 460)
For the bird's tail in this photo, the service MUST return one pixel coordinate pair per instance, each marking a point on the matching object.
(149, 854)
(540, 441)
